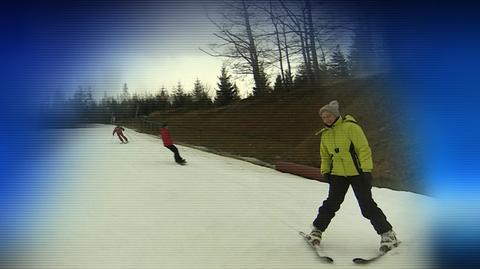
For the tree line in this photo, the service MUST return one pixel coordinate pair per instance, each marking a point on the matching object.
(81, 107)
(291, 41)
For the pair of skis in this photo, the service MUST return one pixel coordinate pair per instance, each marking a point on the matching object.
(327, 259)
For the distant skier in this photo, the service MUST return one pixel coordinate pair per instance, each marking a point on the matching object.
(346, 159)
(119, 131)
(168, 143)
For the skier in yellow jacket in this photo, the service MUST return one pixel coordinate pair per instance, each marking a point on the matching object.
(346, 159)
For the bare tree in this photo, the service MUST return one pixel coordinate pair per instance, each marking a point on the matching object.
(288, 73)
(297, 25)
(275, 23)
(311, 37)
(281, 41)
(240, 43)
(260, 35)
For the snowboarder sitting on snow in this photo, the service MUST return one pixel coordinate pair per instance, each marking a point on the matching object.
(168, 143)
(119, 130)
(346, 159)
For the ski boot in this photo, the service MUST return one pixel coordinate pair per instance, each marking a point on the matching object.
(315, 237)
(389, 241)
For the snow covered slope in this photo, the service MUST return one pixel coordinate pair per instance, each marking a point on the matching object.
(113, 205)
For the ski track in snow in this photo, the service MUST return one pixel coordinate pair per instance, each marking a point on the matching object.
(115, 205)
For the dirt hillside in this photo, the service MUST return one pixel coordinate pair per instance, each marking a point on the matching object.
(282, 127)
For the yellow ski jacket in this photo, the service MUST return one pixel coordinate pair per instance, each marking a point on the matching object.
(344, 149)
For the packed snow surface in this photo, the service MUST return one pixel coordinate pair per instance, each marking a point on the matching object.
(113, 205)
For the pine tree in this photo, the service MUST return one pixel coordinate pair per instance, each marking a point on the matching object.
(180, 98)
(125, 94)
(279, 85)
(301, 77)
(200, 95)
(288, 80)
(162, 99)
(227, 92)
(264, 83)
(83, 103)
(236, 93)
(338, 64)
(363, 59)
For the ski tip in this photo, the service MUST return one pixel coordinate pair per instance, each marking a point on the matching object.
(368, 260)
(360, 261)
(328, 259)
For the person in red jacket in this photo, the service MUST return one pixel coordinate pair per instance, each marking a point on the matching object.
(168, 143)
(119, 131)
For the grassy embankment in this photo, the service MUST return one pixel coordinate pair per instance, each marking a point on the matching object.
(282, 128)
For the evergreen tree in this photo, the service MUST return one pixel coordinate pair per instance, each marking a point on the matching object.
(301, 77)
(279, 86)
(227, 92)
(135, 101)
(264, 83)
(83, 103)
(180, 98)
(125, 94)
(147, 104)
(200, 95)
(162, 99)
(338, 64)
(288, 83)
(363, 55)
(236, 91)
(83, 97)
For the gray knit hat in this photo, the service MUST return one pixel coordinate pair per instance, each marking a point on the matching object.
(330, 107)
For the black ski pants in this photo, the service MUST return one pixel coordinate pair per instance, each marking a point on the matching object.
(362, 187)
(176, 154)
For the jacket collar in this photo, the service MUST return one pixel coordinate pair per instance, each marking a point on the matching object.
(338, 121)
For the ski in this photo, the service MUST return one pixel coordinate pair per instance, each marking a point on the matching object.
(369, 260)
(325, 258)
(374, 258)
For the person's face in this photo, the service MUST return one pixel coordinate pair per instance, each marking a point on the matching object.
(328, 117)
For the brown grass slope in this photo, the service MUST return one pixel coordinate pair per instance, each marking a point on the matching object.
(282, 127)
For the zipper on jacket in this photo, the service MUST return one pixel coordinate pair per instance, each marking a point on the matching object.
(336, 147)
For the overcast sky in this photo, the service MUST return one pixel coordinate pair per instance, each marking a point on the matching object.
(146, 44)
